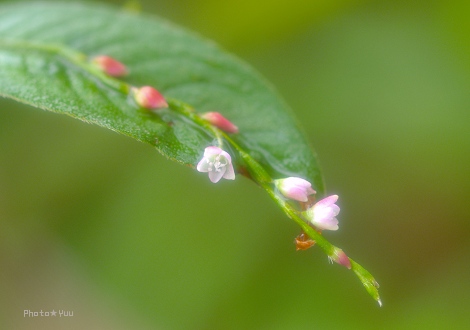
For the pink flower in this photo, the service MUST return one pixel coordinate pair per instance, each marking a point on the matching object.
(295, 188)
(110, 66)
(149, 98)
(219, 121)
(217, 163)
(322, 214)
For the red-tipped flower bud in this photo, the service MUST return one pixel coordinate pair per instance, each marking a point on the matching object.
(340, 257)
(219, 121)
(110, 66)
(149, 98)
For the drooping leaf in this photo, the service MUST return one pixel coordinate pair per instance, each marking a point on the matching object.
(41, 65)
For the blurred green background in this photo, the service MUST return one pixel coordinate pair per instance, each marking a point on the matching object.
(101, 225)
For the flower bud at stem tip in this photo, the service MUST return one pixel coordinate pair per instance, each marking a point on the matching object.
(340, 257)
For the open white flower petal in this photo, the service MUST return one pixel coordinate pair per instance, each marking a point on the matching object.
(212, 151)
(215, 176)
(217, 163)
(229, 172)
(327, 201)
(203, 165)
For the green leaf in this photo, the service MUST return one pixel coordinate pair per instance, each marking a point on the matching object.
(45, 61)
(44, 53)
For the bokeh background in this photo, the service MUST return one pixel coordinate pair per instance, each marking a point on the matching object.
(100, 225)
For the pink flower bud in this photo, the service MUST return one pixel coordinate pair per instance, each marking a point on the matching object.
(340, 257)
(295, 188)
(217, 163)
(323, 214)
(219, 121)
(149, 98)
(110, 66)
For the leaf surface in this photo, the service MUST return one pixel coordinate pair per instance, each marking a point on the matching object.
(41, 65)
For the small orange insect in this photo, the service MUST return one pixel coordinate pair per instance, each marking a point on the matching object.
(303, 242)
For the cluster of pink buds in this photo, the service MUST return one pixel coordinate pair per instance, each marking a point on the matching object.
(322, 215)
(149, 98)
(146, 96)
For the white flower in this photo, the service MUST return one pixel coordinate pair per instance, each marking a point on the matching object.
(295, 188)
(217, 163)
(323, 214)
